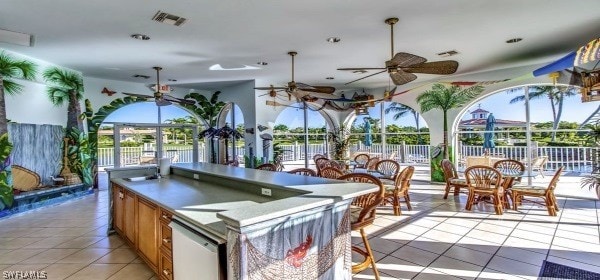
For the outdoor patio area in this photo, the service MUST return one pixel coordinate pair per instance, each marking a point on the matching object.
(437, 240)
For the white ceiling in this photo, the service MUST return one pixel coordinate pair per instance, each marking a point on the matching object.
(93, 36)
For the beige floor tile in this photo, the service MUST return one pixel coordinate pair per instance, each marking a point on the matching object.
(87, 255)
(516, 268)
(464, 222)
(118, 256)
(398, 236)
(19, 242)
(48, 242)
(59, 271)
(47, 232)
(383, 245)
(79, 242)
(113, 241)
(576, 235)
(493, 228)
(18, 232)
(494, 274)
(415, 255)
(430, 245)
(454, 229)
(50, 256)
(17, 256)
(534, 236)
(25, 267)
(456, 267)
(133, 272)
(96, 271)
(591, 246)
(137, 260)
(398, 268)
(468, 255)
(586, 229)
(526, 244)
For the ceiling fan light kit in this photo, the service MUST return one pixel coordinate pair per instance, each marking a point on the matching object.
(161, 97)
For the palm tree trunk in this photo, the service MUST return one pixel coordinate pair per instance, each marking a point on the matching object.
(73, 113)
(3, 120)
(446, 152)
(416, 115)
(554, 123)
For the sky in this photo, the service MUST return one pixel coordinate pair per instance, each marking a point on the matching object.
(498, 103)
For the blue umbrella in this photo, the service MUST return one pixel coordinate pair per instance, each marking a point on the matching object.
(368, 138)
(488, 136)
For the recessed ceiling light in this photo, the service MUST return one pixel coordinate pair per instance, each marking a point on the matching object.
(333, 40)
(262, 63)
(514, 40)
(141, 76)
(359, 71)
(172, 80)
(330, 78)
(140, 37)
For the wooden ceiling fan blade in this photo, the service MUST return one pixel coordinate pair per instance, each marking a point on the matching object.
(366, 77)
(178, 100)
(162, 102)
(401, 77)
(361, 68)
(403, 59)
(320, 89)
(445, 67)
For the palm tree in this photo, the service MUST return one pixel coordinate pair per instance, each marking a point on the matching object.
(66, 87)
(207, 110)
(446, 98)
(400, 110)
(555, 95)
(12, 69)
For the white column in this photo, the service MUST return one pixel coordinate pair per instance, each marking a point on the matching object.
(528, 134)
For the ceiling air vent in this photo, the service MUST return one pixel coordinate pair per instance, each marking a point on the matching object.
(16, 38)
(448, 53)
(167, 18)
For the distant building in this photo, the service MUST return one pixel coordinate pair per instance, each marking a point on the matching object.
(479, 117)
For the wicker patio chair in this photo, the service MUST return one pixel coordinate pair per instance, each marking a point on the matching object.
(362, 215)
(331, 173)
(399, 189)
(361, 160)
(546, 193)
(267, 166)
(388, 169)
(303, 171)
(485, 181)
(320, 164)
(452, 179)
(371, 164)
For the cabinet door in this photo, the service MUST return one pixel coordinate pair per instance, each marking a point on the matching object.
(129, 217)
(117, 193)
(148, 231)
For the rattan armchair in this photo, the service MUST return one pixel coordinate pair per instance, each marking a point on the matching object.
(399, 189)
(546, 193)
(303, 171)
(331, 173)
(361, 160)
(485, 181)
(371, 164)
(452, 179)
(362, 214)
(267, 166)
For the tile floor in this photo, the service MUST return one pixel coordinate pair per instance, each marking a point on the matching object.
(437, 240)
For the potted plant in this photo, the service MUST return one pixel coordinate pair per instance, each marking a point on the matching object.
(340, 141)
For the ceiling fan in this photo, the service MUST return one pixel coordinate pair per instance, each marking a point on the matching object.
(402, 65)
(161, 98)
(299, 90)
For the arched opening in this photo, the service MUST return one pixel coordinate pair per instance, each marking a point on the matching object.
(140, 133)
(296, 138)
(396, 131)
(545, 133)
(230, 147)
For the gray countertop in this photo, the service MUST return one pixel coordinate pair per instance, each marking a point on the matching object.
(209, 204)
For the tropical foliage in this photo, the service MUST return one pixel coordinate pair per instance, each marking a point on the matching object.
(6, 190)
(66, 87)
(555, 95)
(10, 69)
(445, 98)
(400, 110)
(340, 141)
(209, 111)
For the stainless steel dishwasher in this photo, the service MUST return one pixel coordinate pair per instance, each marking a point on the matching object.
(196, 256)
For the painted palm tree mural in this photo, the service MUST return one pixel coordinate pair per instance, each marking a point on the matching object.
(66, 87)
(10, 69)
(445, 98)
(400, 110)
(555, 94)
(209, 111)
